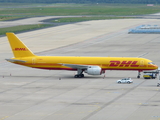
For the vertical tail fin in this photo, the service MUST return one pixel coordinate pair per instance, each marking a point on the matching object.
(19, 49)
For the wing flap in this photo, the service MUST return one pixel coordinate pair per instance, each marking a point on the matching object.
(75, 66)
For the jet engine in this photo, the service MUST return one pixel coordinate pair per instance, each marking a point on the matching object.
(94, 70)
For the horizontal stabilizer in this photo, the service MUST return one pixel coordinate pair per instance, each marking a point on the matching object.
(14, 60)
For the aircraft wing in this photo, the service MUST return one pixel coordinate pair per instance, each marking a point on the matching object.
(75, 66)
(14, 60)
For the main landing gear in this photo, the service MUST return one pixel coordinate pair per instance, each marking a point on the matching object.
(79, 74)
(139, 74)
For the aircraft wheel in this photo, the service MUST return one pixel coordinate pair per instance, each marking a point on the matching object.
(82, 75)
(76, 76)
(138, 76)
(79, 76)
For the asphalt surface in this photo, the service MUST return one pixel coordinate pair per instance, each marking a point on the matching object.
(30, 21)
(32, 94)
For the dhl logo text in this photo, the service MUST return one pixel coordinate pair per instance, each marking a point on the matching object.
(20, 49)
(123, 64)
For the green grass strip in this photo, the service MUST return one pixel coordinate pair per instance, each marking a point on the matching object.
(77, 9)
(80, 19)
(22, 28)
(5, 18)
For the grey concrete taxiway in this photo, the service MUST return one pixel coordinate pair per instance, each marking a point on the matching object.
(29, 21)
(32, 94)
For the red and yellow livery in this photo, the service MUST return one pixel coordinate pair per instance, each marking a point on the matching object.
(91, 65)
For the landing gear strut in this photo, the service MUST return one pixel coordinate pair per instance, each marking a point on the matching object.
(79, 74)
(139, 74)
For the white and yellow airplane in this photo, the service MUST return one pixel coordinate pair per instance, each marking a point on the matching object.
(91, 65)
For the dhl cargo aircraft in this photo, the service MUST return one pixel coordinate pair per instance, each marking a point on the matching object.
(90, 65)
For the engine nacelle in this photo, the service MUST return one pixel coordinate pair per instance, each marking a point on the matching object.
(94, 70)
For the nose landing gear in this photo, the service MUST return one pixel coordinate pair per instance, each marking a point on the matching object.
(139, 74)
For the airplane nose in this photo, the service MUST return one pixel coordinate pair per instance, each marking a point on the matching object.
(156, 67)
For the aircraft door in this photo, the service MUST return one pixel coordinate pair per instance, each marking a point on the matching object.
(142, 63)
(33, 61)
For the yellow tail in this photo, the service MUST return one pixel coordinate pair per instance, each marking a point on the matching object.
(19, 49)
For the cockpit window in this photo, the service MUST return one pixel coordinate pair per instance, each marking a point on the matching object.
(151, 63)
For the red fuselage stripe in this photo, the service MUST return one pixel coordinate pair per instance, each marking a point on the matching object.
(47, 68)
